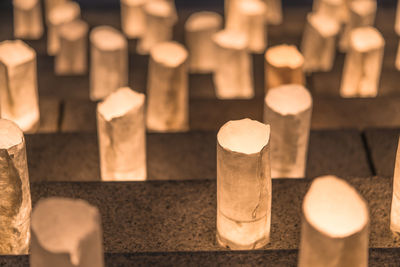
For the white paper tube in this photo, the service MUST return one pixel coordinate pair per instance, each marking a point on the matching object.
(361, 14)
(15, 205)
(108, 61)
(233, 77)
(288, 109)
(122, 136)
(133, 18)
(395, 209)
(71, 58)
(283, 65)
(66, 233)
(319, 42)
(18, 85)
(167, 89)
(252, 23)
(160, 19)
(274, 12)
(28, 22)
(335, 225)
(243, 185)
(60, 14)
(199, 29)
(363, 63)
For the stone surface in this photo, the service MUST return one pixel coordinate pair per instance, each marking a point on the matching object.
(180, 215)
(79, 116)
(49, 109)
(382, 145)
(377, 257)
(182, 156)
(339, 153)
(361, 113)
(204, 114)
(68, 157)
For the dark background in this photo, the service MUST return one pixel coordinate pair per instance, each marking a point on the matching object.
(201, 4)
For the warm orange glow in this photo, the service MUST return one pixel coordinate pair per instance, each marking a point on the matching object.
(335, 224)
(247, 137)
(288, 99)
(284, 56)
(61, 227)
(335, 208)
(243, 185)
(122, 136)
(18, 84)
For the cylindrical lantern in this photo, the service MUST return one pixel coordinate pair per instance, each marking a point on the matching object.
(395, 209)
(60, 14)
(233, 77)
(109, 61)
(283, 65)
(65, 233)
(361, 14)
(243, 185)
(167, 89)
(335, 9)
(133, 18)
(252, 23)
(335, 223)
(71, 58)
(49, 5)
(199, 29)
(274, 11)
(122, 136)
(397, 22)
(397, 63)
(18, 85)
(288, 110)
(363, 63)
(15, 207)
(319, 42)
(28, 22)
(160, 19)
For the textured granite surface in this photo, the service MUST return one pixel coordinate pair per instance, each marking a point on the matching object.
(377, 258)
(49, 115)
(382, 147)
(182, 156)
(211, 114)
(361, 113)
(79, 116)
(168, 216)
(339, 152)
(204, 114)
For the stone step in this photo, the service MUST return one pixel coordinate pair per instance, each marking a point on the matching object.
(176, 216)
(182, 156)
